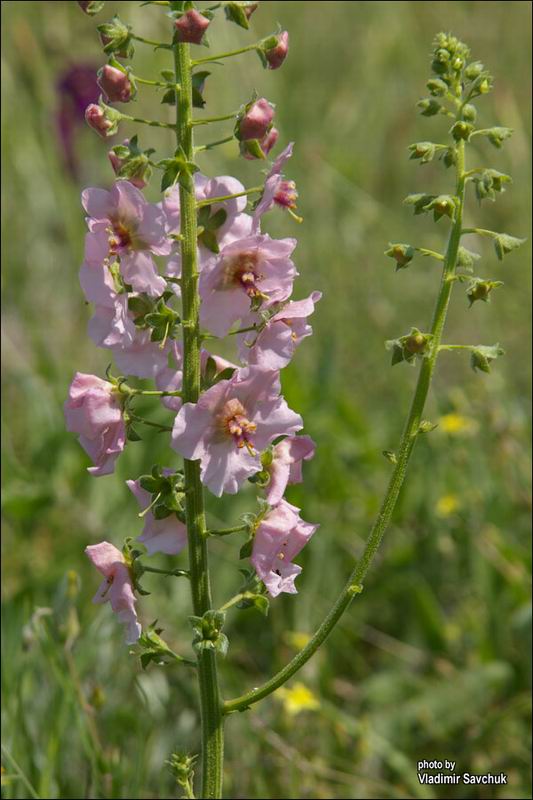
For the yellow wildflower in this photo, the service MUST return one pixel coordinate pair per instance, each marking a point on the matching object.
(447, 505)
(457, 424)
(296, 699)
(297, 639)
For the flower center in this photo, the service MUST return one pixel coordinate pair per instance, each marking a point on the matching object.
(242, 271)
(234, 422)
(286, 194)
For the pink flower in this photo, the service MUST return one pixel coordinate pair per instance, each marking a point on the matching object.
(167, 535)
(115, 84)
(266, 144)
(191, 27)
(256, 121)
(96, 119)
(117, 586)
(286, 465)
(255, 269)
(170, 379)
(112, 326)
(131, 229)
(276, 55)
(142, 357)
(94, 411)
(278, 539)
(205, 189)
(277, 190)
(274, 346)
(231, 424)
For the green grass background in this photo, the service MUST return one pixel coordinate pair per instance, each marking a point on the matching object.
(432, 661)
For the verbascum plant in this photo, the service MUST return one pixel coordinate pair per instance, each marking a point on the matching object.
(224, 277)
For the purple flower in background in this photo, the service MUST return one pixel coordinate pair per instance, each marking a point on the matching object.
(76, 88)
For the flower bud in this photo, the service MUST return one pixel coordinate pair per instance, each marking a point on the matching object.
(429, 106)
(115, 84)
(416, 343)
(252, 149)
(131, 163)
(96, 118)
(461, 130)
(275, 50)
(425, 151)
(403, 254)
(191, 27)
(91, 7)
(116, 38)
(474, 70)
(256, 120)
(240, 13)
(469, 113)
(479, 289)
(437, 87)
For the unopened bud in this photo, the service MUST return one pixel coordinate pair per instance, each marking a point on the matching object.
(474, 70)
(116, 38)
(191, 27)
(437, 87)
(253, 149)
(469, 113)
(416, 343)
(461, 130)
(256, 121)
(403, 254)
(115, 84)
(429, 106)
(91, 7)
(131, 163)
(275, 50)
(480, 289)
(96, 118)
(240, 13)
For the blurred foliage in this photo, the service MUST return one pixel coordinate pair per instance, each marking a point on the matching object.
(432, 661)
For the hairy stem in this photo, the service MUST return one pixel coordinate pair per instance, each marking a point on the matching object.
(405, 450)
(210, 703)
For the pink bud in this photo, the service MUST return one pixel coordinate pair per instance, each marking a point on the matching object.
(191, 27)
(256, 121)
(96, 119)
(115, 84)
(266, 144)
(277, 54)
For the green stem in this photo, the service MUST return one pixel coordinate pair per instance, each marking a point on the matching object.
(203, 147)
(136, 418)
(236, 599)
(229, 54)
(227, 531)
(409, 437)
(163, 84)
(174, 573)
(210, 703)
(457, 347)
(20, 774)
(153, 123)
(480, 232)
(151, 42)
(208, 120)
(225, 197)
